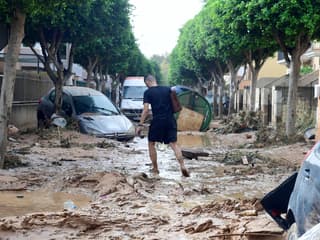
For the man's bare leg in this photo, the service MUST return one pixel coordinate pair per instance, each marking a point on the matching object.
(153, 157)
(177, 151)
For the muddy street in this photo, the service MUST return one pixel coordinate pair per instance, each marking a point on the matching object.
(81, 187)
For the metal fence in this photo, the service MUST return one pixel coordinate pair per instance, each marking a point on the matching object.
(30, 86)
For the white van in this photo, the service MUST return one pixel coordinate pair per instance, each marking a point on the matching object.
(132, 97)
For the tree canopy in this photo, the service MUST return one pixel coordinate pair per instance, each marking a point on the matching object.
(234, 33)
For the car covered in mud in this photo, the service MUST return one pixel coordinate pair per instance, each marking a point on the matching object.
(94, 113)
(295, 203)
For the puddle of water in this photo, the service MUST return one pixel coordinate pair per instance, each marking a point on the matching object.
(188, 140)
(20, 203)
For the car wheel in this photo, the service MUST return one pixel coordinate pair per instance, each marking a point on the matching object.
(292, 233)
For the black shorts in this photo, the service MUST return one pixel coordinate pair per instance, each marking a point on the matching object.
(164, 131)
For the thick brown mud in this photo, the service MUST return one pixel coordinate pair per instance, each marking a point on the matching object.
(117, 197)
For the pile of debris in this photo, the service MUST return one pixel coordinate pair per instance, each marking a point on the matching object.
(266, 136)
(241, 122)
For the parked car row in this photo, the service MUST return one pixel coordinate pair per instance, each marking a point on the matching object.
(94, 113)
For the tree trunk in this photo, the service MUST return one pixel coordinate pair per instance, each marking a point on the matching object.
(214, 100)
(231, 94)
(58, 97)
(7, 88)
(232, 87)
(90, 67)
(115, 90)
(295, 65)
(220, 103)
(253, 87)
(89, 70)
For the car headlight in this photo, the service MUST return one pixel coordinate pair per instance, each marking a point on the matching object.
(92, 131)
(132, 130)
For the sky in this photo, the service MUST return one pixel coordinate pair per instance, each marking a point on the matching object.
(156, 23)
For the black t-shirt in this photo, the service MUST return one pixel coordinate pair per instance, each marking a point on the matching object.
(159, 98)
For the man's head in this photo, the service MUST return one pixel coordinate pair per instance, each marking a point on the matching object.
(150, 80)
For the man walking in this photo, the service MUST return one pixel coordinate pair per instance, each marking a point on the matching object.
(163, 127)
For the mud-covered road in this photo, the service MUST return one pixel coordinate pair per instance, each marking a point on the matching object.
(116, 197)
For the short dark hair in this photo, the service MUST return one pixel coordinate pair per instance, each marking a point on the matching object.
(150, 78)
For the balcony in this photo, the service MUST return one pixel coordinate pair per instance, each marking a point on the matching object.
(313, 51)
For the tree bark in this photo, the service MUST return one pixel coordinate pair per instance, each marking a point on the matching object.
(253, 87)
(89, 68)
(7, 88)
(115, 89)
(255, 64)
(295, 65)
(232, 88)
(53, 64)
(214, 101)
(220, 103)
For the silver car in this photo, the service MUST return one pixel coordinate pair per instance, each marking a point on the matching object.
(295, 203)
(92, 110)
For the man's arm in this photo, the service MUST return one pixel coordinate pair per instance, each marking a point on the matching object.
(145, 113)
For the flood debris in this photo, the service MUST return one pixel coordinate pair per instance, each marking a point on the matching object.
(22, 150)
(126, 201)
(245, 160)
(252, 212)
(105, 144)
(237, 157)
(13, 161)
(241, 122)
(67, 160)
(109, 183)
(245, 228)
(12, 130)
(65, 142)
(200, 228)
(267, 136)
(189, 120)
(310, 134)
(193, 153)
(8, 183)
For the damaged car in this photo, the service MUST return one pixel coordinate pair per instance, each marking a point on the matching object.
(295, 203)
(94, 113)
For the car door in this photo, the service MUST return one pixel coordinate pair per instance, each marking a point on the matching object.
(304, 200)
(67, 107)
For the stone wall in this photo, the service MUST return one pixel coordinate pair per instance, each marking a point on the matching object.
(306, 105)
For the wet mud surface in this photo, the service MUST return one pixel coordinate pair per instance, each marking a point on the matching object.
(116, 196)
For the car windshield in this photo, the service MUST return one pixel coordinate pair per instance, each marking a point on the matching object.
(134, 92)
(94, 104)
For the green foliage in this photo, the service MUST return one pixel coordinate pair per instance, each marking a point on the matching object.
(306, 70)
(63, 27)
(8, 8)
(276, 20)
(99, 40)
(162, 62)
(185, 68)
(3, 10)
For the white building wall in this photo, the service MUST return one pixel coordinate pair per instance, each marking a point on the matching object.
(276, 107)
